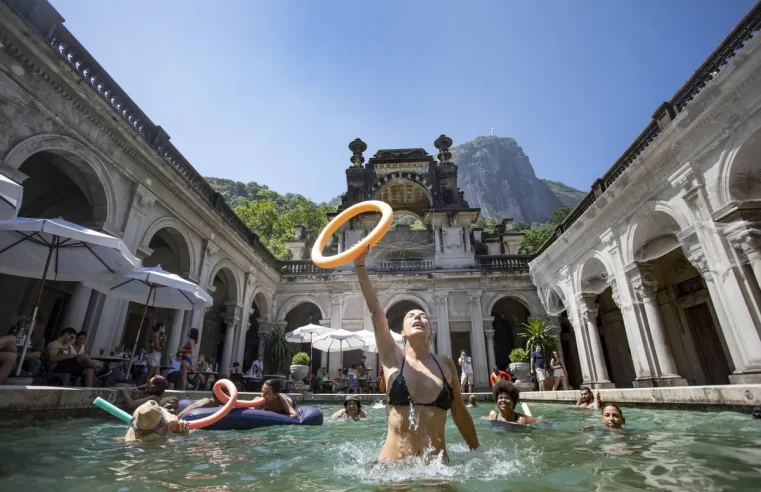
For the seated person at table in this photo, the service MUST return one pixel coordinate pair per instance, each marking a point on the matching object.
(273, 401)
(8, 356)
(63, 358)
(150, 423)
(79, 347)
(506, 394)
(153, 392)
(352, 409)
(201, 380)
(173, 373)
(236, 368)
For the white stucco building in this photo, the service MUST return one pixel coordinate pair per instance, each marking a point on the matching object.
(83, 150)
(658, 269)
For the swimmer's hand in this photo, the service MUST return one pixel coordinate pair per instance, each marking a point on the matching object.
(179, 427)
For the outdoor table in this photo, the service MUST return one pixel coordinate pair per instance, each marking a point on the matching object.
(328, 383)
(254, 383)
(107, 360)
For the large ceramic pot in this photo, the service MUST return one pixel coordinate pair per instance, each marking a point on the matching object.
(299, 372)
(521, 371)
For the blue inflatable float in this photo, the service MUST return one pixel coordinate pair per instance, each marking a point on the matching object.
(249, 418)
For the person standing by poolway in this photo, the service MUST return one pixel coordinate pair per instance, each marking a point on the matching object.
(415, 422)
(466, 379)
(537, 366)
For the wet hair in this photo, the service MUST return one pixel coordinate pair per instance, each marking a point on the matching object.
(606, 405)
(756, 413)
(585, 388)
(274, 385)
(68, 331)
(512, 391)
(472, 399)
(193, 335)
(159, 385)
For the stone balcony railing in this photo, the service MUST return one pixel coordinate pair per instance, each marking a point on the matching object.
(515, 263)
(505, 263)
(746, 29)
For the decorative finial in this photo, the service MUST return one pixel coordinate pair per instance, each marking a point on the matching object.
(443, 143)
(357, 146)
(492, 131)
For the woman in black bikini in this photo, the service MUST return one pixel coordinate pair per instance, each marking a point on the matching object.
(506, 395)
(422, 386)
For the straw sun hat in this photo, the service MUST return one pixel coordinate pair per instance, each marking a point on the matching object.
(150, 422)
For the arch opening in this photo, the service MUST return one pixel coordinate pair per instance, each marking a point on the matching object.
(302, 315)
(509, 317)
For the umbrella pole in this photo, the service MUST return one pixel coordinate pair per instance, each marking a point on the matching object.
(20, 362)
(142, 320)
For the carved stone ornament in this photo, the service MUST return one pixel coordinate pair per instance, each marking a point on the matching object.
(389, 154)
(489, 335)
(357, 146)
(645, 289)
(589, 315)
(701, 265)
(615, 293)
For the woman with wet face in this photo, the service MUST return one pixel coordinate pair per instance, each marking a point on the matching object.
(422, 386)
(506, 395)
(352, 409)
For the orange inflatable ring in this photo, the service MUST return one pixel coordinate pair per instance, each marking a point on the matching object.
(240, 403)
(229, 403)
(355, 251)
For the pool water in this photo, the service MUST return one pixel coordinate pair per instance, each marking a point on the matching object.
(663, 450)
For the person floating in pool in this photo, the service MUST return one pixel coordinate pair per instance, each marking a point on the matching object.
(273, 401)
(612, 418)
(415, 422)
(506, 395)
(587, 401)
(150, 423)
(153, 391)
(352, 409)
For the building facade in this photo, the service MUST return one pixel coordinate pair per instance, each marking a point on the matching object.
(658, 269)
(84, 151)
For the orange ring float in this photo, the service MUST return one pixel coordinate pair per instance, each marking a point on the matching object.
(355, 251)
(229, 403)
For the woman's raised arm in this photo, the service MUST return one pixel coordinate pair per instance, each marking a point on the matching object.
(387, 348)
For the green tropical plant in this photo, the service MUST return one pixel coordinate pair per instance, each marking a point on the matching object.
(301, 359)
(518, 355)
(537, 333)
(278, 350)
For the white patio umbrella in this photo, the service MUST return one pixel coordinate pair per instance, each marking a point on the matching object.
(372, 346)
(307, 333)
(59, 250)
(338, 340)
(10, 198)
(154, 287)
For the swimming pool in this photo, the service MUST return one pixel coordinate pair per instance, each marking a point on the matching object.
(665, 450)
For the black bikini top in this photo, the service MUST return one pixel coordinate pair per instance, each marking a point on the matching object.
(399, 394)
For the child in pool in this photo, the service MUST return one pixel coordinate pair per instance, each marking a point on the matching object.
(472, 401)
(150, 423)
(612, 418)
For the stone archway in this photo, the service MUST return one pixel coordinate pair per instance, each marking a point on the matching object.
(509, 316)
(168, 248)
(60, 183)
(301, 315)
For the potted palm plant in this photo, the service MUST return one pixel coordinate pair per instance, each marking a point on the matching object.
(300, 366)
(537, 333)
(278, 350)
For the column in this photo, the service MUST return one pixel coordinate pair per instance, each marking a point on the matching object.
(175, 335)
(443, 338)
(641, 351)
(490, 348)
(231, 320)
(466, 231)
(240, 348)
(336, 322)
(749, 242)
(589, 318)
(437, 238)
(264, 328)
(75, 313)
(478, 342)
(646, 288)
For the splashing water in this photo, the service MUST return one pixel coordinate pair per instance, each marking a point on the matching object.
(663, 450)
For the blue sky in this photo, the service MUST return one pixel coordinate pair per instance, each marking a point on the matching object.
(274, 91)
